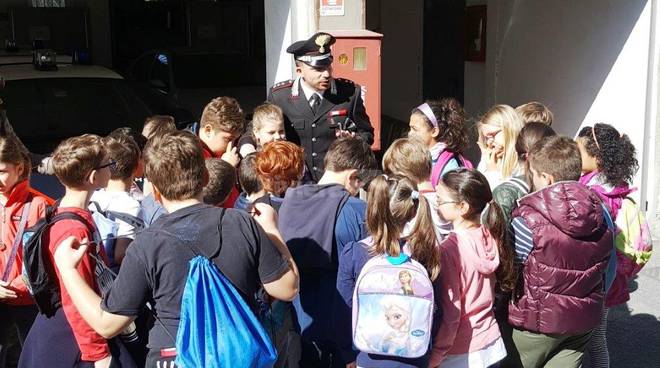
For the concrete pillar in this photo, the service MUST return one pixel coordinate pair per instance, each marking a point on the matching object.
(288, 21)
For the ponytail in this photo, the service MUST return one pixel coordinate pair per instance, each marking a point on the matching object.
(496, 224)
(391, 204)
(380, 221)
(423, 240)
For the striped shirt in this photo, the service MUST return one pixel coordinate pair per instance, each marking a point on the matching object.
(523, 239)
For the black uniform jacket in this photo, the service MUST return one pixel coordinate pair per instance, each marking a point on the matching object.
(314, 131)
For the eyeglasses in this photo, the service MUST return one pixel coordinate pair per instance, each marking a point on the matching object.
(112, 164)
(445, 202)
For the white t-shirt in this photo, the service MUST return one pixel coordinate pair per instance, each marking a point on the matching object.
(118, 202)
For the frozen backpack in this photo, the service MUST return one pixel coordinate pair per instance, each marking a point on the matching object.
(444, 157)
(393, 307)
(633, 238)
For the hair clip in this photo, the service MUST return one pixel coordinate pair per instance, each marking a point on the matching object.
(414, 195)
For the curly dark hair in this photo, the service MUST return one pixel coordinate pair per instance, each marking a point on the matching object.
(614, 152)
(451, 123)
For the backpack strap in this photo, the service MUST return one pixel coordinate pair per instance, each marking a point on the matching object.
(133, 221)
(440, 164)
(17, 239)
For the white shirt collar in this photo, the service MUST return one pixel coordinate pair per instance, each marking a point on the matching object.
(309, 91)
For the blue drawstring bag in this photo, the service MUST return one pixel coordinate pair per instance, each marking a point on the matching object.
(217, 328)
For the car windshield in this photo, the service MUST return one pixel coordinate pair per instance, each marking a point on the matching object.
(45, 111)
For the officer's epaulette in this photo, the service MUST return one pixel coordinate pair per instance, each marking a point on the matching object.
(347, 81)
(280, 85)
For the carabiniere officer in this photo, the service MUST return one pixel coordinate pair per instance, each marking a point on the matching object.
(317, 107)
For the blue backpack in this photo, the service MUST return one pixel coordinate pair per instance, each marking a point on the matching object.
(217, 328)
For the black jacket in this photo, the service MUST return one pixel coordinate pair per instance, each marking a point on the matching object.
(314, 132)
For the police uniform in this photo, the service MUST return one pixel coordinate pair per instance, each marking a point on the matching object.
(341, 107)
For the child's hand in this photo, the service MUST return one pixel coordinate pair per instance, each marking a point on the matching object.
(344, 133)
(247, 149)
(231, 155)
(6, 291)
(69, 253)
(493, 158)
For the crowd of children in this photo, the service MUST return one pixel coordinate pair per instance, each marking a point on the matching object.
(510, 264)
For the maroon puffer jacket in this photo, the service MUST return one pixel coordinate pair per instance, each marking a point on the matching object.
(563, 277)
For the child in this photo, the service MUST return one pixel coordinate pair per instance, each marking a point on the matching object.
(317, 221)
(563, 246)
(116, 194)
(392, 203)
(249, 181)
(65, 339)
(535, 112)
(498, 131)
(474, 258)
(137, 186)
(440, 126)
(22, 207)
(267, 126)
(221, 124)
(608, 167)
(156, 266)
(279, 167)
(222, 177)
(507, 195)
(407, 158)
(158, 124)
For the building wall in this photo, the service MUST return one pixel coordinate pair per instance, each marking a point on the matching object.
(587, 60)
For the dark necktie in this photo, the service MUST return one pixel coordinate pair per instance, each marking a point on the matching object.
(314, 102)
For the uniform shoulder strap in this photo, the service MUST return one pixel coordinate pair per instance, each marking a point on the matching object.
(282, 85)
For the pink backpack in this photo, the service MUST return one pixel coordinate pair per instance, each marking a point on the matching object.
(445, 156)
(393, 307)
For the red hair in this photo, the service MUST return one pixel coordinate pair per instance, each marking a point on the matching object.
(279, 166)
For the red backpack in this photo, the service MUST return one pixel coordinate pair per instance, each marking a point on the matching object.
(444, 157)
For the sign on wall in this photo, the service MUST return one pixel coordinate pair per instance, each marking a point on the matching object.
(332, 8)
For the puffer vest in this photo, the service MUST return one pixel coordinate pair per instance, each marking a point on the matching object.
(561, 285)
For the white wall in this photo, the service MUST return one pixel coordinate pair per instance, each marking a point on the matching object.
(587, 60)
(286, 21)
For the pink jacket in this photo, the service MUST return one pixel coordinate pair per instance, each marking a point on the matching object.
(612, 197)
(469, 259)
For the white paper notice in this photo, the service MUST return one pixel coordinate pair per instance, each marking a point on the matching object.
(332, 8)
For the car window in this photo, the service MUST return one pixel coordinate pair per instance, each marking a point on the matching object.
(45, 111)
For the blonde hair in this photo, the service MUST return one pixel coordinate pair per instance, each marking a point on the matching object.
(505, 117)
(409, 159)
(266, 112)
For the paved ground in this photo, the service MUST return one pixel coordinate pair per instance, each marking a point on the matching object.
(634, 328)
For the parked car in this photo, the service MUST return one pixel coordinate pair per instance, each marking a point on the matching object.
(46, 106)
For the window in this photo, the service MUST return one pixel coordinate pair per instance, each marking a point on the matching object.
(48, 3)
